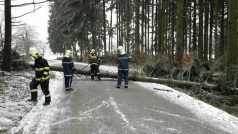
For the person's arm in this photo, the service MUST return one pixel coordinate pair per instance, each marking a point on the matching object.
(72, 65)
(46, 69)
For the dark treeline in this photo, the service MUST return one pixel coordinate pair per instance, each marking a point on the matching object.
(147, 27)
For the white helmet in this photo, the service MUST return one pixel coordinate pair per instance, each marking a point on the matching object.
(34, 53)
(68, 53)
(121, 50)
(92, 51)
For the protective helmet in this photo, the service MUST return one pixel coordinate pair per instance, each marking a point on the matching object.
(68, 53)
(121, 50)
(34, 54)
(92, 51)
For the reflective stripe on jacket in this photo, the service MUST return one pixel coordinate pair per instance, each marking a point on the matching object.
(41, 69)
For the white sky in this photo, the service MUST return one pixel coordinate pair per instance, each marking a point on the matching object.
(38, 19)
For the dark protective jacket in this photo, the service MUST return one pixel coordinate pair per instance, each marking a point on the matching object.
(68, 67)
(93, 59)
(123, 62)
(41, 69)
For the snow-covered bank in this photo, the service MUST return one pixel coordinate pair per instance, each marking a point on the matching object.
(204, 111)
(14, 91)
(38, 119)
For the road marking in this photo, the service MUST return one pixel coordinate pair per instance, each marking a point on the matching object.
(123, 117)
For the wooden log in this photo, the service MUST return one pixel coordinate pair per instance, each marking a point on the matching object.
(135, 77)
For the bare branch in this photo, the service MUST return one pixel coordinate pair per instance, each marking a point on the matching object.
(18, 25)
(31, 3)
(16, 21)
(26, 13)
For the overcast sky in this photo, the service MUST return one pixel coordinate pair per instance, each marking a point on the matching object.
(39, 18)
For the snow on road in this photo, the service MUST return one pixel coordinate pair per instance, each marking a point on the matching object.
(204, 111)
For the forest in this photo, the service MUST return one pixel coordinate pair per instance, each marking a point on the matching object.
(165, 37)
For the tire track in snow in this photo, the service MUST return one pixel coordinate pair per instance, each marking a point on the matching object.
(117, 110)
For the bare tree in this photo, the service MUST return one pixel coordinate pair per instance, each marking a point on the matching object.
(6, 65)
(24, 38)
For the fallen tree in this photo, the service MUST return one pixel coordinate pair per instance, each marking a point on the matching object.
(136, 77)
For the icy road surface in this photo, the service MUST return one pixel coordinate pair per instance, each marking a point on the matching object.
(97, 107)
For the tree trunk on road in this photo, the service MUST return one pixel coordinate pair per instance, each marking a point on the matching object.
(136, 77)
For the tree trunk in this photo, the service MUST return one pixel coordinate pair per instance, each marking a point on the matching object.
(195, 26)
(222, 41)
(232, 48)
(200, 36)
(211, 30)
(217, 55)
(133, 77)
(180, 31)
(205, 56)
(173, 29)
(137, 26)
(104, 28)
(6, 65)
(152, 33)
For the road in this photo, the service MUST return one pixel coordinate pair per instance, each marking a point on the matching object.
(99, 107)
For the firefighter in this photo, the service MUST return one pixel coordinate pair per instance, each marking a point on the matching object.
(123, 63)
(41, 78)
(69, 69)
(94, 62)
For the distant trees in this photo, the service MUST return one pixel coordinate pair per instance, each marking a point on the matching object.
(153, 27)
(6, 63)
(24, 38)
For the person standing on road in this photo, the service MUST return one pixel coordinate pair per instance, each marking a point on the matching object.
(41, 78)
(123, 66)
(94, 62)
(69, 69)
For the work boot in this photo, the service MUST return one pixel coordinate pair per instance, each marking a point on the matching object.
(99, 78)
(92, 77)
(47, 101)
(126, 86)
(32, 100)
(118, 86)
(69, 89)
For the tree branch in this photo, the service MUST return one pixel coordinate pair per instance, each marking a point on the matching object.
(31, 3)
(26, 13)
(18, 25)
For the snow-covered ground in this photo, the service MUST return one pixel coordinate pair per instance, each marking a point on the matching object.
(202, 110)
(18, 116)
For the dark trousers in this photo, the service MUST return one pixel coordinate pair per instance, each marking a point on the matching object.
(44, 87)
(122, 74)
(94, 71)
(68, 82)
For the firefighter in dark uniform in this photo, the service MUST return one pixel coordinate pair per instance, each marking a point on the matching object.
(69, 69)
(41, 78)
(123, 63)
(94, 62)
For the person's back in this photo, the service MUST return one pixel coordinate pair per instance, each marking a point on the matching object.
(69, 69)
(123, 67)
(123, 62)
(68, 66)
